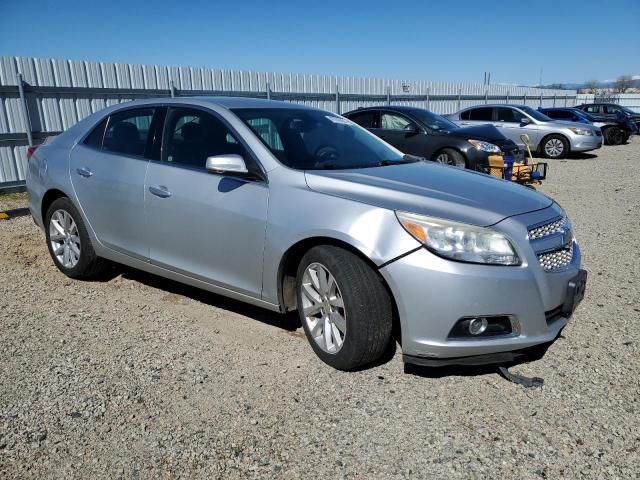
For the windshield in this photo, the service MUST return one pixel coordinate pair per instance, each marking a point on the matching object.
(628, 111)
(541, 117)
(317, 140)
(433, 121)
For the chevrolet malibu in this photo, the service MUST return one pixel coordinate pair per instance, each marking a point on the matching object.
(293, 208)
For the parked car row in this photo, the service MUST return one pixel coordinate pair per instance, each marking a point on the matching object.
(293, 208)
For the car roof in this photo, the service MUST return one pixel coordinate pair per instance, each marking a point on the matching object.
(395, 108)
(225, 102)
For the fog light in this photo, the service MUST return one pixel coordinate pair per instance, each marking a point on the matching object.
(477, 326)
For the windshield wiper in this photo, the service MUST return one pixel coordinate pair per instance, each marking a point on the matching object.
(405, 159)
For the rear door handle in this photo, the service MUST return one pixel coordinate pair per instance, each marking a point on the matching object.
(160, 191)
(84, 172)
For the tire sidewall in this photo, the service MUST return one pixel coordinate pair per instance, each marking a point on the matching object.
(349, 356)
(85, 246)
(456, 159)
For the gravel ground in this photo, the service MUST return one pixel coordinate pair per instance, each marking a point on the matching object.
(138, 377)
(12, 200)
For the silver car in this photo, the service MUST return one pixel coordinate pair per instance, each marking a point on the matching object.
(289, 207)
(550, 138)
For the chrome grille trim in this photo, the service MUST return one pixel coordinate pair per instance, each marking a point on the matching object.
(555, 226)
(556, 259)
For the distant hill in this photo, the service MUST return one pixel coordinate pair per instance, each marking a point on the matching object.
(635, 83)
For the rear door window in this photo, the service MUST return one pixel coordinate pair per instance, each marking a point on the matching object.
(592, 109)
(365, 119)
(128, 132)
(483, 114)
(94, 139)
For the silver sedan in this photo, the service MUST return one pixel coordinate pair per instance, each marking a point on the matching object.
(293, 208)
(550, 138)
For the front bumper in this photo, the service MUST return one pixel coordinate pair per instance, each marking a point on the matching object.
(584, 143)
(433, 293)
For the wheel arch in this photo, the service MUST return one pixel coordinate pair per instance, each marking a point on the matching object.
(48, 198)
(289, 265)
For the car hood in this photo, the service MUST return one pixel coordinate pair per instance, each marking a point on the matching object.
(566, 124)
(431, 189)
(487, 133)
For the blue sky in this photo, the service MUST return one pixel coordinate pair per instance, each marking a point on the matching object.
(572, 41)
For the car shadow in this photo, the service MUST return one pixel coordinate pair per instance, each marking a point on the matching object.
(289, 321)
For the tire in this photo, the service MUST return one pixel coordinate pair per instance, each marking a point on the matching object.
(554, 146)
(449, 156)
(363, 323)
(613, 136)
(77, 259)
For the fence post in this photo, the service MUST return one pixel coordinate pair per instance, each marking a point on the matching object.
(459, 98)
(565, 99)
(337, 100)
(486, 96)
(508, 96)
(428, 98)
(554, 99)
(524, 100)
(172, 88)
(268, 88)
(388, 94)
(540, 98)
(25, 110)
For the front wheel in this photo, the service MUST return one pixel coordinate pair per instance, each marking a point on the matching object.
(344, 307)
(452, 157)
(613, 136)
(555, 146)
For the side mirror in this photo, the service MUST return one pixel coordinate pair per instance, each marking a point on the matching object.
(412, 130)
(525, 121)
(230, 163)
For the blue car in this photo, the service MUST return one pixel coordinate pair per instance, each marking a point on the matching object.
(615, 130)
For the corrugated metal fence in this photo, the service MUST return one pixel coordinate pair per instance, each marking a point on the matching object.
(42, 97)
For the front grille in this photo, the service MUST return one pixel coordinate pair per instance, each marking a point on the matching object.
(556, 226)
(556, 259)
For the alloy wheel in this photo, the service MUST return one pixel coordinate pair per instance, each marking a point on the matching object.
(323, 308)
(64, 239)
(554, 147)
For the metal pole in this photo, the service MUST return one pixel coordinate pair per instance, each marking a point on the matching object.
(486, 96)
(25, 110)
(268, 87)
(459, 98)
(337, 100)
(428, 98)
(388, 95)
(554, 99)
(525, 99)
(172, 88)
(540, 97)
(565, 99)
(508, 96)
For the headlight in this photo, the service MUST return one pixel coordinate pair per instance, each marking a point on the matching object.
(459, 241)
(485, 146)
(581, 131)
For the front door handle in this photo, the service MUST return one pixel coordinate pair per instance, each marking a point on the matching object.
(160, 191)
(84, 172)
(498, 125)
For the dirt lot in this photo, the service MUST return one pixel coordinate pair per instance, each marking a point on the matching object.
(138, 377)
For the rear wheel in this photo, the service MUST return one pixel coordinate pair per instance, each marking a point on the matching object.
(452, 157)
(344, 307)
(554, 146)
(69, 243)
